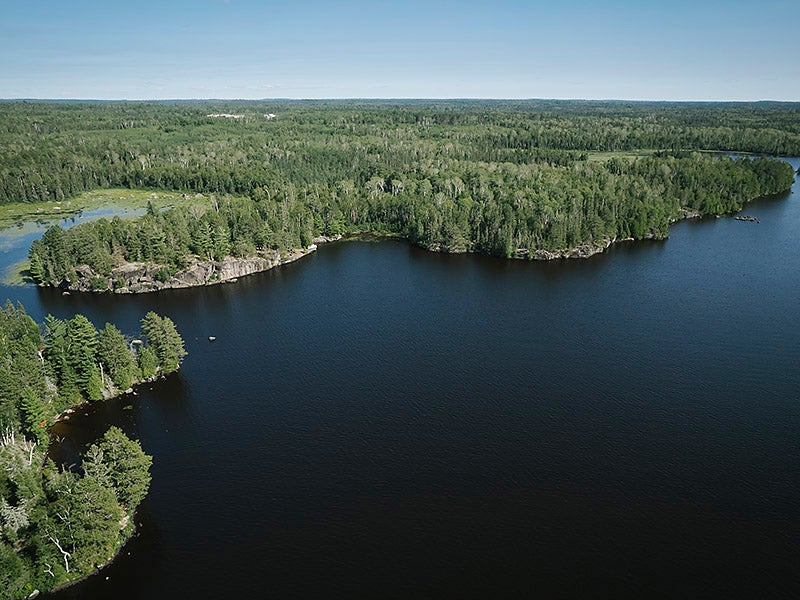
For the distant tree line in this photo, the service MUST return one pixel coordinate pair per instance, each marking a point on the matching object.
(57, 524)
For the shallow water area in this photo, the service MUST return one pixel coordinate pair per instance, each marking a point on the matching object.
(15, 240)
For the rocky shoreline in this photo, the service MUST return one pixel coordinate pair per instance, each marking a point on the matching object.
(583, 251)
(137, 277)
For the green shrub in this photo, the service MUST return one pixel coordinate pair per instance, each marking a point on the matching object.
(163, 274)
(98, 284)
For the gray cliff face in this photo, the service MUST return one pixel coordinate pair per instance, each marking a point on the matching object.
(134, 278)
(584, 251)
(324, 239)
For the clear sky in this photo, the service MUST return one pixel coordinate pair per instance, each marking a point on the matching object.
(159, 49)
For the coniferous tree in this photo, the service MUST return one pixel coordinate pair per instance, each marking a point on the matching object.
(164, 340)
(116, 357)
(82, 342)
(32, 405)
(95, 518)
(148, 362)
(56, 524)
(15, 573)
(57, 354)
(128, 466)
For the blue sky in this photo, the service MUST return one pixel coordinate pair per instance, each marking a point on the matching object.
(677, 50)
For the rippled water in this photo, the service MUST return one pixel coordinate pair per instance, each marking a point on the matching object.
(379, 421)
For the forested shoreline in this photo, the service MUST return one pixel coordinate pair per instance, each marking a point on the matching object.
(58, 524)
(545, 213)
(527, 179)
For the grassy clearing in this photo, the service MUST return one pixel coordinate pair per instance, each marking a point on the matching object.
(632, 154)
(628, 155)
(120, 200)
(18, 274)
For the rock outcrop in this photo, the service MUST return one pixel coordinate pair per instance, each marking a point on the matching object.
(324, 239)
(137, 277)
(583, 251)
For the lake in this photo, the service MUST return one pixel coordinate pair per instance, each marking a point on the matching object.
(380, 421)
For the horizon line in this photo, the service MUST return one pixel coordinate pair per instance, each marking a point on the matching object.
(400, 98)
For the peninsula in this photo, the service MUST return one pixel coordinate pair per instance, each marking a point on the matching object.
(186, 247)
(517, 179)
(60, 524)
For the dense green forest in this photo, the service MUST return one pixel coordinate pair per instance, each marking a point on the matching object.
(500, 177)
(57, 524)
(50, 151)
(515, 210)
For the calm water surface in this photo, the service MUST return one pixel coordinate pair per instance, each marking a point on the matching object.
(379, 421)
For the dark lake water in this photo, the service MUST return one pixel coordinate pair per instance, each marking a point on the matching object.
(379, 421)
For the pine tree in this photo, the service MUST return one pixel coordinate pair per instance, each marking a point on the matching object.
(116, 357)
(128, 466)
(33, 409)
(201, 239)
(56, 347)
(95, 515)
(148, 362)
(81, 343)
(164, 340)
(36, 268)
(15, 572)
(220, 246)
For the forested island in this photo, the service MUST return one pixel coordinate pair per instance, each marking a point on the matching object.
(58, 524)
(527, 179)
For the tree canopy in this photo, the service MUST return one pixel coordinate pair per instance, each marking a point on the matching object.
(57, 524)
(495, 177)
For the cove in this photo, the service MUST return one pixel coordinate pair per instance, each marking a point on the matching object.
(378, 420)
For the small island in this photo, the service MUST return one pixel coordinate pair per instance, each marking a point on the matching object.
(59, 524)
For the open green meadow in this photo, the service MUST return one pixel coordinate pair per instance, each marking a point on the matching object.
(121, 202)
